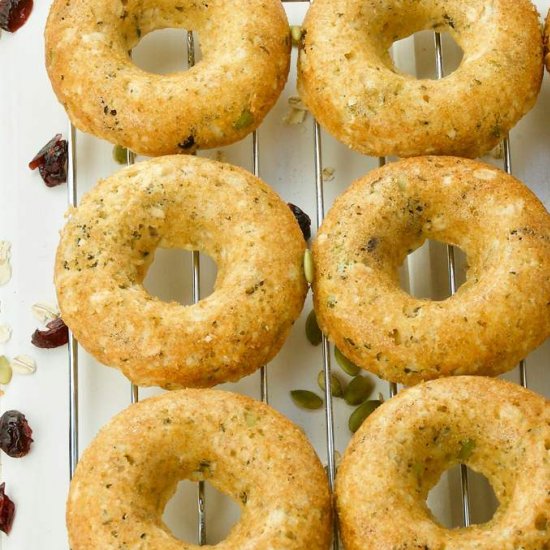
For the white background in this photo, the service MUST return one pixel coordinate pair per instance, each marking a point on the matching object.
(31, 216)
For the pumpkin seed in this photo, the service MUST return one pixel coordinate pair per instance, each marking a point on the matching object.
(306, 399)
(345, 364)
(245, 119)
(308, 266)
(418, 470)
(359, 415)
(296, 34)
(250, 418)
(358, 390)
(120, 154)
(313, 332)
(335, 384)
(5, 370)
(466, 449)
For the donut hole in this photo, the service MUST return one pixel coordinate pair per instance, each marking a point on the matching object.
(181, 515)
(448, 510)
(423, 65)
(424, 274)
(173, 45)
(170, 276)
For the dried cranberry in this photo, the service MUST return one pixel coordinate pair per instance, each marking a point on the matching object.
(14, 13)
(56, 335)
(7, 510)
(51, 161)
(15, 434)
(303, 220)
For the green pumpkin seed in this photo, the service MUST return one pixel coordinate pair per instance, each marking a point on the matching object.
(306, 399)
(359, 415)
(345, 364)
(335, 384)
(120, 154)
(466, 449)
(358, 390)
(296, 34)
(418, 470)
(245, 119)
(313, 332)
(308, 266)
(5, 370)
(250, 418)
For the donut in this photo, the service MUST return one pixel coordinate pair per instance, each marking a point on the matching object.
(245, 46)
(244, 448)
(496, 317)
(179, 201)
(347, 78)
(546, 41)
(495, 427)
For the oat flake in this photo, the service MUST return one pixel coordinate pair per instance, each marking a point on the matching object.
(45, 312)
(5, 333)
(23, 364)
(328, 173)
(5, 266)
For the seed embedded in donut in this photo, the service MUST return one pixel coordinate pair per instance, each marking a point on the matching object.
(245, 47)
(347, 78)
(495, 318)
(242, 447)
(399, 453)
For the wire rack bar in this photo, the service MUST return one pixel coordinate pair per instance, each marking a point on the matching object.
(507, 154)
(72, 198)
(451, 268)
(134, 389)
(264, 388)
(196, 291)
(392, 386)
(325, 347)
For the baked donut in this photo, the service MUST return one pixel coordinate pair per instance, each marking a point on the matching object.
(497, 428)
(192, 203)
(244, 448)
(497, 316)
(546, 41)
(245, 48)
(349, 82)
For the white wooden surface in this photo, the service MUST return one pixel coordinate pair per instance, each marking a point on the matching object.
(31, 216)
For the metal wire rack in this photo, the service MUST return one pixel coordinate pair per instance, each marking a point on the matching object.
(73, 439)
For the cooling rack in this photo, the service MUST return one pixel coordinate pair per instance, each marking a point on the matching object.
(294, 160)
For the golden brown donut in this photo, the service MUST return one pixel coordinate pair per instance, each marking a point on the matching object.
(192, 203)
(245, 48)
(244, 448)
(546, 41)
(349, 82)
(497, 316)
(497, 428)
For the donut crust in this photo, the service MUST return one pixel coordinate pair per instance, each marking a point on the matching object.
(546, 40)
(349, 82)
(495, 318)
(192, 203)
(245, 48)
(401, 450)
(244, 448)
